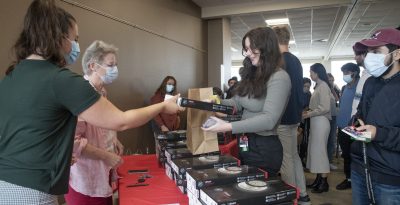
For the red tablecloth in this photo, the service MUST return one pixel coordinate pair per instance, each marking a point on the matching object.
(161, 189)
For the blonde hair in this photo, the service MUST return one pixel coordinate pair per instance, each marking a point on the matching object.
(95, 53)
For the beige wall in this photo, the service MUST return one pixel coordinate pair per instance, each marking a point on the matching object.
(144, 58)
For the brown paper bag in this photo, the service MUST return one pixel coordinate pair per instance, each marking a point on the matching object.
(198, 141)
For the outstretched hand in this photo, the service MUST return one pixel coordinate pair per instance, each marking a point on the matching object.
(171, 106)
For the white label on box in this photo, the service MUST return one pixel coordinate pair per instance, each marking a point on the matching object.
(168, 157)
(174, 167)
(168, 171)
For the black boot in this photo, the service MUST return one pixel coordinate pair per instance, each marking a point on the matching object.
(322, 187)
(316, 182)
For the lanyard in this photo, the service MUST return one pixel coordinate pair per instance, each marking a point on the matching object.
(368, 176)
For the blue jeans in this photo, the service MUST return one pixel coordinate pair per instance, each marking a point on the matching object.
(332, 139)
(384, 194)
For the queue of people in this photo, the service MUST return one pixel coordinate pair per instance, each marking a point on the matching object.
(51, 150)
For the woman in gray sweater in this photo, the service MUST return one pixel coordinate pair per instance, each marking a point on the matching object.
(320, 113)
(261, 95)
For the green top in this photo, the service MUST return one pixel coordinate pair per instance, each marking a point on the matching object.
(39, 105)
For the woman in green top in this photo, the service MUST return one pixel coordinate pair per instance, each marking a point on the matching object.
(40, 103)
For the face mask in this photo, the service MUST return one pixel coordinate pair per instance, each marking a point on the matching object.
(375, 64)
(111, 74)
(72, 56)
(347, 78)
(305, 90)
(169, 88)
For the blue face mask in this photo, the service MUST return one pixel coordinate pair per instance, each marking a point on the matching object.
(169, 88)
(72, 56)
(111, 74)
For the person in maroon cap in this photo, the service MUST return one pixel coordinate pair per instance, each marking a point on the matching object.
(375, 168)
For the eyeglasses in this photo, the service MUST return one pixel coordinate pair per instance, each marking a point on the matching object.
(245, 51)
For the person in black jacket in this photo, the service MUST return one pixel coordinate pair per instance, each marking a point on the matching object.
(379, 110)
(292, 169)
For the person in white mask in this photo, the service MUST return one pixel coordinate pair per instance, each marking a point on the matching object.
(351, 75)
(379, 112)
(165, 122)
(95, 148)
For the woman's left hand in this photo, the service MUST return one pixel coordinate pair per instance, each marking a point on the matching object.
(219, 126)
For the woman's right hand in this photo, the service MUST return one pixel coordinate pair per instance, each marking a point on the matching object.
(112, 160)
(171, 106)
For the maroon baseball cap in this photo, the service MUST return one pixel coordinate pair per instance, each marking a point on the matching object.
(382, 37)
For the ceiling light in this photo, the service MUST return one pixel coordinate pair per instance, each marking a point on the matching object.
(292, 42)
(275, 22)
(234, 49)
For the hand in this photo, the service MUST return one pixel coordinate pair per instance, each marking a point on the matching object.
(171, 106)
(73, 160)
(368, 128)
(305, 115)
(119, 148)
(220, 126)
(220, 114)
(164, 128)
(112, 160)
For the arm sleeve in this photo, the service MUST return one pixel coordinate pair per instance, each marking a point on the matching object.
(324, 102)
(278, 91)
(388, 137)
(73, 92)
(80, 141)
(154, 100)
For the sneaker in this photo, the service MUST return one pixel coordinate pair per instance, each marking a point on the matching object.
(333, 167)
(304, 200)
(346, 184)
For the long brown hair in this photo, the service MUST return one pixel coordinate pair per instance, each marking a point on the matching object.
(45, 27)
(254, 78)
(162, 88)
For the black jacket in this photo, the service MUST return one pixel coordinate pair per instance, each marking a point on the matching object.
(380, 106)
(295, 104)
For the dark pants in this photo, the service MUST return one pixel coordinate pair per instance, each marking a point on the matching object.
(304, 142)
(345, 143)
(265, 152)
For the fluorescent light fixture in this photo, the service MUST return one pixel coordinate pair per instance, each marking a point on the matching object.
(234, 49)
(275, 22)
(292, 42)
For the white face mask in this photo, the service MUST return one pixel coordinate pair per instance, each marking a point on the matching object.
(169, 88)
(375, 63)
(347, 78)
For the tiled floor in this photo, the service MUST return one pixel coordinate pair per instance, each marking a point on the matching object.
(333, 196)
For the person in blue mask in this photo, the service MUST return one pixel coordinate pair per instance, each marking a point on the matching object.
(40, 103)
(351, 75)
(165, 122)
(95, 148)
(375, 166)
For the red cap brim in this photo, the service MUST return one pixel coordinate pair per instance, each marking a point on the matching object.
(372, 43)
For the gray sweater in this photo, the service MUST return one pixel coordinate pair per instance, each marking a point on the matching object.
(262, 116)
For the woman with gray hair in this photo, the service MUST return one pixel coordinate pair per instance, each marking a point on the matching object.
(95, 148)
